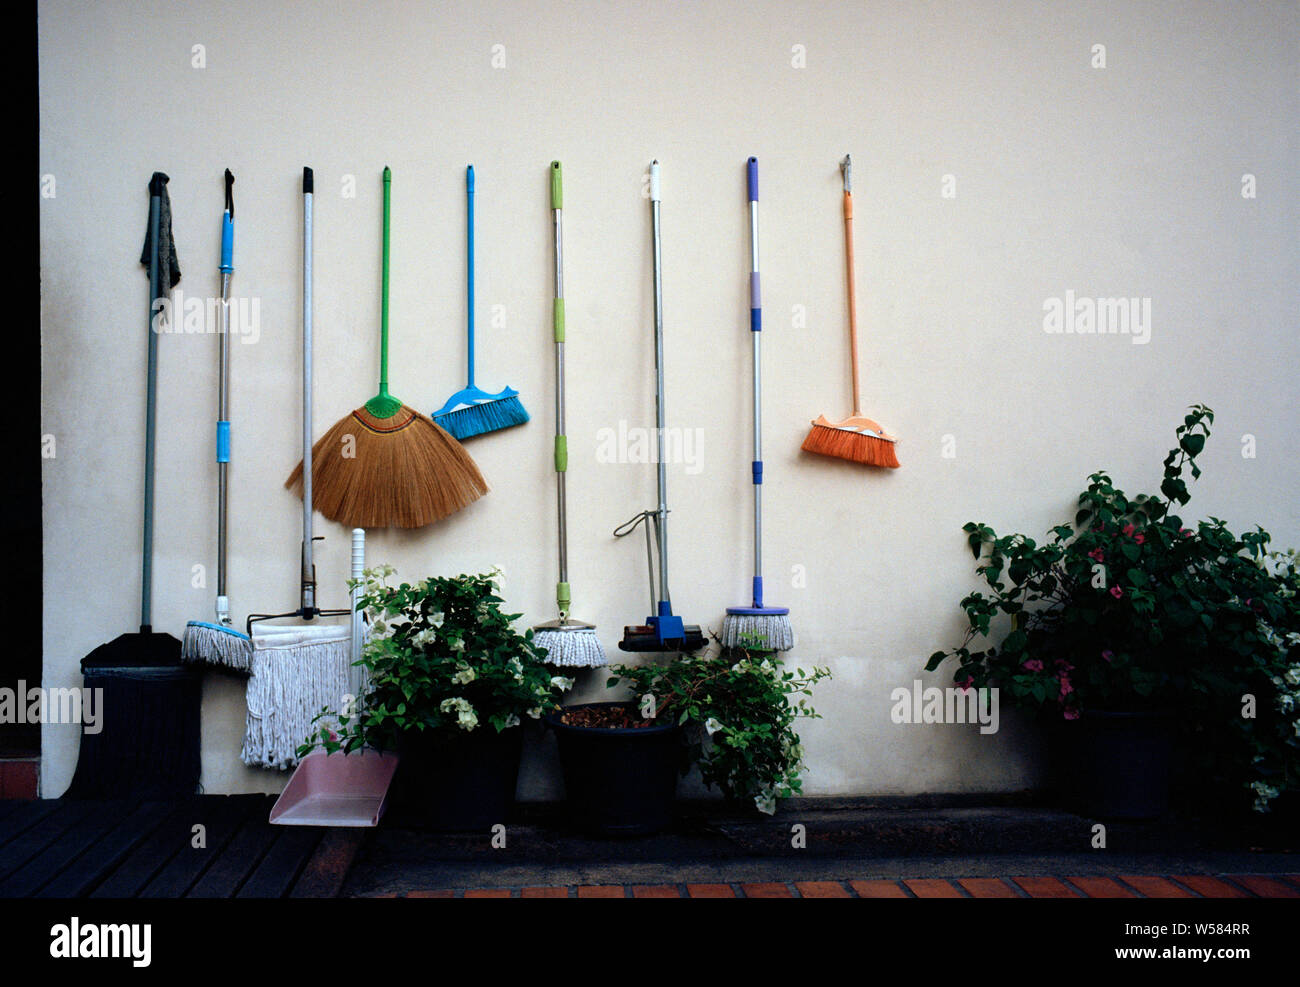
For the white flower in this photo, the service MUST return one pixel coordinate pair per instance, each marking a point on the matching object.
(466, 718)
(457, 646)
(712, 726)
(464, 674)
(535, 712)
(561, 683)
(765, 802)
(436, 619)
(1293, 676)
(511, 721)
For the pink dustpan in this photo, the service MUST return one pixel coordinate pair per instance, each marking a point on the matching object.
(337, 790)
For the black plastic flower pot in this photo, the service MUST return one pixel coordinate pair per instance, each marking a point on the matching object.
(1116, 765)
(619, 782)
(459, 783)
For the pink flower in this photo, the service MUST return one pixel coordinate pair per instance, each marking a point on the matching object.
(1071, 714)
(1033, 665)
(1066, 687)
(1116, 592)
(1129, 529)
(1108, 655)
(1185, 532)
(965, 686)
(1097, 554)
(1139, 538)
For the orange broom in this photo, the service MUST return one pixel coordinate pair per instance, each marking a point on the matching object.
(856, 438)
(385, 464)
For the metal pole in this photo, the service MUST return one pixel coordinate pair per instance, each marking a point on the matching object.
(662, 510)
(150, 409)
(308, 578)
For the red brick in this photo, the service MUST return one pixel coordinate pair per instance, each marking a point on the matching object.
(1101, 887)
(1265, 887)
(1211, 887)
(1044, 887)
(544, 893)
(766, 889)
(488, 893)
(878, 889)
(1154, 887)
(439, 894)
(710, 891)
(600, 891)
(19, 779)
(987, 887)
(655, 891)
(821, 889)
(932, 887)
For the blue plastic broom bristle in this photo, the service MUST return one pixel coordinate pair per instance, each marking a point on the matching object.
(472, 412)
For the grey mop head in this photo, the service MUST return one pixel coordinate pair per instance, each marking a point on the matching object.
(760, 631)
(570, 644)
(217, 644)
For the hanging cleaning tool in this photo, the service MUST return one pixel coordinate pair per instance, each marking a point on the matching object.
(147, 746)
(386, 464)
(856, 438)
(757, 625)
(471, 411)
(663, 630)
(219, 643)
(298, 668)
(568, 642)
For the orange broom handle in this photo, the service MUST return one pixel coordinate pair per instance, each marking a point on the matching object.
(853, 296)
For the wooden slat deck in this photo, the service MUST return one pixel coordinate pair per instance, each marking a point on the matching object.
(130, 849)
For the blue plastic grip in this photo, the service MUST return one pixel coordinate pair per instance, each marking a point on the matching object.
(227, 244)
(469, 270)
(756, 467)
(753, 179)
(758, 592)
(223, 442)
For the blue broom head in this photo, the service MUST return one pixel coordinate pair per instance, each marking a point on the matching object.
(217, 645)
(473, 412)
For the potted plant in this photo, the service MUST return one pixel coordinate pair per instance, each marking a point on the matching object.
(450, 681)
(727, 710)
(1137, 634)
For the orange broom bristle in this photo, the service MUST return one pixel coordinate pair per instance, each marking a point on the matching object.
(847, 440)
(403, 471)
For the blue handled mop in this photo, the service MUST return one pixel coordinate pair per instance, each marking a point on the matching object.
(219, 643)
(758, 626)
(471, 411)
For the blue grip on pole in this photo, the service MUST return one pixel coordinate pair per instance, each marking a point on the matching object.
(755, 302)
(758, 592)
(753, 179)
(227, 243)
(223, 442)
(757, 467)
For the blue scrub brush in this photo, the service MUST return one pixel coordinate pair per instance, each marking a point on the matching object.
(472, 412)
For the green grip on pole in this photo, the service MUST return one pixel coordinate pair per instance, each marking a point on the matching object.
(561, 453)
(383, 405)
(562, 597)
(557, 186)
(557, 318)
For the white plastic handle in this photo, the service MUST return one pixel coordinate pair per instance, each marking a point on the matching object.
(654, 181)
(358, 552)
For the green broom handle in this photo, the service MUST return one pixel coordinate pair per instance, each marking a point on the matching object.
(563, 595)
